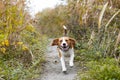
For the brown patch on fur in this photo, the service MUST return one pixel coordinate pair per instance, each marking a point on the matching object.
(72, 42)
(55, 42)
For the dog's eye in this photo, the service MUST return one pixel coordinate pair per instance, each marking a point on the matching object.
(60, 40)
(66, 40)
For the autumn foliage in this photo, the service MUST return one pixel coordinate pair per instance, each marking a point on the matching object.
(20, 43)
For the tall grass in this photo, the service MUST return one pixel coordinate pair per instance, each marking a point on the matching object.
(101, 15)
(22, 47)
(95, 26)
(111, 19)
(102, 49)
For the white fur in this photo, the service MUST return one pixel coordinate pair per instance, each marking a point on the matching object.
(71, 61)
(63, 63)
(64, 42)
(64, 27)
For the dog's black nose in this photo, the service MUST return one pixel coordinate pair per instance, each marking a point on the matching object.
(64, 44)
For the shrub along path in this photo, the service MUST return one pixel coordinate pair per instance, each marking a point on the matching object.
(52, 67)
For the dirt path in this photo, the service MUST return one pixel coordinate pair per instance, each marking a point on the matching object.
(52, 67)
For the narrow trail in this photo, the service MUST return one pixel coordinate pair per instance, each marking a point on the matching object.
(52, 67)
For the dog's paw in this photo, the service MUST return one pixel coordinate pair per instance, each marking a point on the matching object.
(71, 64)
(65, 72)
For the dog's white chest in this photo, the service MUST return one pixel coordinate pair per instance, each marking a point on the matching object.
(67, 53)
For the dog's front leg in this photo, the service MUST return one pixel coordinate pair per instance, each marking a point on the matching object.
(71, 61)
(61, 55)
(63, 64)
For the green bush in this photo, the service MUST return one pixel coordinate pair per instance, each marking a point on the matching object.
(104, 69)
(23, 63)
(22, 47)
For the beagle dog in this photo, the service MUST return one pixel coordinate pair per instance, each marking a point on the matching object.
(65, 45)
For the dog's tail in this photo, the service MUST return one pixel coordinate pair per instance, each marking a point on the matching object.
(65, 30)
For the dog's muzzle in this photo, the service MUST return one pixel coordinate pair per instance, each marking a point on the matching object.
(65, 48)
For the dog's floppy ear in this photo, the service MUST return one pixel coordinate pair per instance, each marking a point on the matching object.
(72, 41)
(55, 42)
